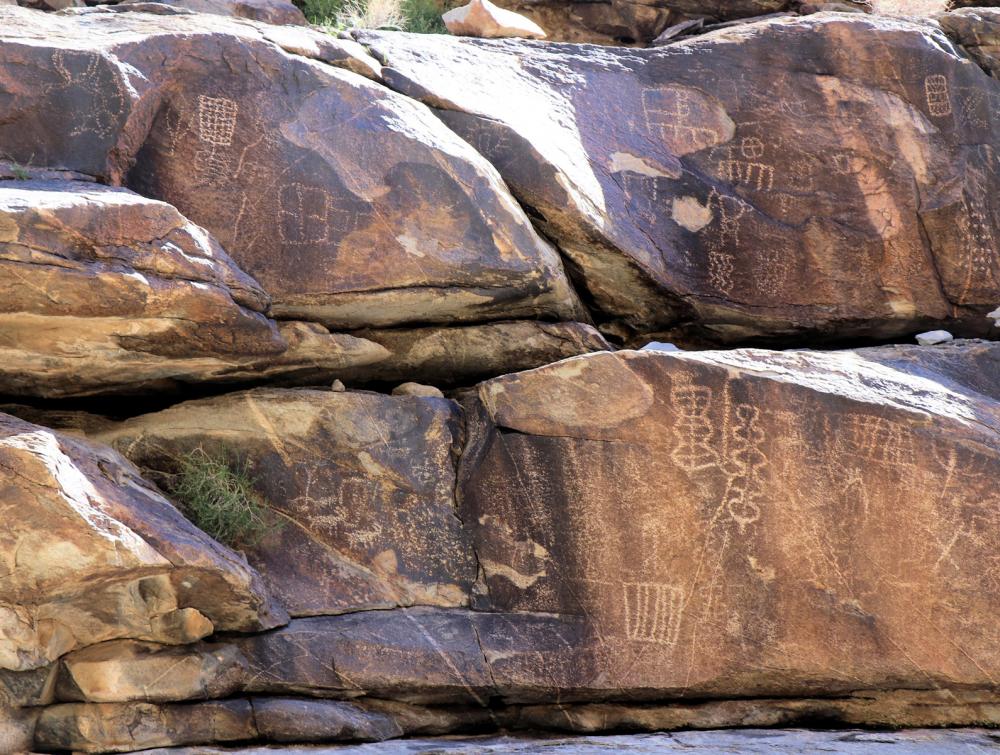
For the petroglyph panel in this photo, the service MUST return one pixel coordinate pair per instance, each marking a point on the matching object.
(938, 97)
(359, 485)
(687, 120)
(753, 523)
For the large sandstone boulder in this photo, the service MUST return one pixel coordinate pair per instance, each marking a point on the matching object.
(102, 290)
(741, 523)
(351, 205)
(977, 30)
(362, 485)
(91, 552)
(712, 205)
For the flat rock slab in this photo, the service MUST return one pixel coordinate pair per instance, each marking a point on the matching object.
(102, 290)
(110, 556)
(746, 522)
(299, 168)
(693, 198)
(361, 486)
(737, 742)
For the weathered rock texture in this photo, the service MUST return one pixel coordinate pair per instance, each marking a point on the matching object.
(104, 290)
(746, 742)
(91, 552)
(462, 355)
(745, 522)
(362, 485)
(350, 204)
(977, 30)
(641, 21)
(691, 198)
(267, 11)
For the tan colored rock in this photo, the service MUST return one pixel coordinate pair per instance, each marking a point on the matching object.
(361, 483)
(125, 670)
(481, 18)
(299, 187)
(463, 355)
(417, 389)
(109, 556)
(17, 729)
(267, 11)
(739, 523)
(123, 727)
(716, 210)
(102, 290)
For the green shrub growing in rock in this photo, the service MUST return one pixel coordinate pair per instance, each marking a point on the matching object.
(218, 496)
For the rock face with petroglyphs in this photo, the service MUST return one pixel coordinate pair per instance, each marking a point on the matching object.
(297, 167)
(707, 204)
(102, 290)
(364, 306)
(362, 486)
(748, 522)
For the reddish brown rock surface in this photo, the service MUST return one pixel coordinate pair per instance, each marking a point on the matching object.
(109, 556)
(361, 485)
(299, 169)
(102, 290)
(746, 522)
(695, 200)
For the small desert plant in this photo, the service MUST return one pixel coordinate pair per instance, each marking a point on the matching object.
(424, 16)
(372, 14)
(20, 172)
(218, 496)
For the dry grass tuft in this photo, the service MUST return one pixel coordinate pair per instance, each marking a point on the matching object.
(372, 14)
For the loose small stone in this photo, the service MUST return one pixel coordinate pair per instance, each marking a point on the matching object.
(337, 386)
(417, 389)
(934, 337)
(660, 346)
(995, 316)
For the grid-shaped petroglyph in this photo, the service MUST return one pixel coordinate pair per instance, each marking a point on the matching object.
(676, 115)
(216, 126)
(216, 120)
(105, 100)
(938, 97)
(653, 612)
(744, 466)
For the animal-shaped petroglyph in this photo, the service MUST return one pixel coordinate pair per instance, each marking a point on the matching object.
(680, 118)
(938, 98)
(744, 466)
(727, 211)
(653, 612)
(92, 74)
(216, 125)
